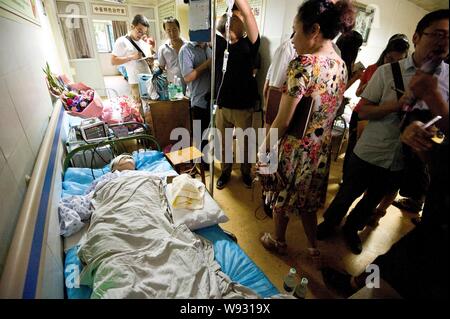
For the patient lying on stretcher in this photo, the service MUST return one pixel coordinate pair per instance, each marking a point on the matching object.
(75, 211)
(132, 248)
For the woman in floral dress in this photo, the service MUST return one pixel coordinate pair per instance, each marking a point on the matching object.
(318, 73)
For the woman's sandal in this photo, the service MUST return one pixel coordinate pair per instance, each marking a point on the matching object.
(272, 244)
(316, 257)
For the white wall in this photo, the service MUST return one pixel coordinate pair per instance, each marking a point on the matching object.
(25, 108)
(106, 66)
(391, 17)
(400, 16)
(183, 17)
(277, 27)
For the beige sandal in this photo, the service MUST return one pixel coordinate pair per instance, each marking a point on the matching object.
(272, 244)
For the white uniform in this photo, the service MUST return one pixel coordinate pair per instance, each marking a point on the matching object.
(122, 48)
(277, 73)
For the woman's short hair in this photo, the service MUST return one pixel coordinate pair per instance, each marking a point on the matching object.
(170, 20)
(349, 44)
(331, 17)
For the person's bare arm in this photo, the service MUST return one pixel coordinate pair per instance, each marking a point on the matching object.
(419, 139)
(249, 20)
(288, 105)
(370, 111)
(198, 71)
(266, 90)
(360, 89)
(355, 77)
(425, 87)
(118, 60)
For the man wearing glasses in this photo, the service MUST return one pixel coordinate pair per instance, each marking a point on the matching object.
(129, 50)
(378, 160)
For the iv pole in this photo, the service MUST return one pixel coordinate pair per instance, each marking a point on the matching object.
(213, 83)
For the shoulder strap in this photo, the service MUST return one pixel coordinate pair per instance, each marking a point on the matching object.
(135, 45)
(398, 79)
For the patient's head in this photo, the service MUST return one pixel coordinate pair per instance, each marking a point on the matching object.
(123, 162)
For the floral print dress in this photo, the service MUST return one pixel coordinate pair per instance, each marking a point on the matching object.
(304, 163)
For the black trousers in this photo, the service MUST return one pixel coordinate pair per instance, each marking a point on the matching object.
(361, 177)
(416, 179)
(351, 142)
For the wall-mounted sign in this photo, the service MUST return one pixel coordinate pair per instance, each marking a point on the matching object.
(22, 8)
(101, 9)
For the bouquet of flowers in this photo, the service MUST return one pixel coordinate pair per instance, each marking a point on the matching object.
(77, 101)
(122, 109)
(54, 83)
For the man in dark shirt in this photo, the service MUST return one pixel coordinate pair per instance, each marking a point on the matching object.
(236, 90)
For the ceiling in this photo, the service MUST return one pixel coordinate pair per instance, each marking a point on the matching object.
(431, 5)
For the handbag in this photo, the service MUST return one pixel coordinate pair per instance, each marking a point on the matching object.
(272, 104)
(275, 182)
(302, 115)
(300, 120)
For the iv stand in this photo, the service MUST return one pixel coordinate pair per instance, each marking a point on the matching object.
(212, 109)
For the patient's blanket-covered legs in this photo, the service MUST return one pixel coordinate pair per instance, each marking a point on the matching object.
(133, 250)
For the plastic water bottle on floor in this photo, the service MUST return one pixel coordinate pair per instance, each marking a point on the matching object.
(290, 281)
(301, 289)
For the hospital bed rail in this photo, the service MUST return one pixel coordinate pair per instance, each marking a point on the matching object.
(117, 145)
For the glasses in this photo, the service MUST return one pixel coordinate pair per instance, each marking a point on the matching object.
(139, 31)
(437, 34)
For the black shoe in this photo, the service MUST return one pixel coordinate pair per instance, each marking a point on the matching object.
(411, 205)
(416, 220)
(248, 180)
(352, 239)
(340, 282)
(222, 181)
(205, 166)
(324, 230)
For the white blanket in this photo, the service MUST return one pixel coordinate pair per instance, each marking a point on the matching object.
(132, 249)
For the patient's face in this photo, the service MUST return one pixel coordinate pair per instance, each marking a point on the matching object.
(125, 163)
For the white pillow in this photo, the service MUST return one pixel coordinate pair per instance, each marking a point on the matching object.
(210, 214)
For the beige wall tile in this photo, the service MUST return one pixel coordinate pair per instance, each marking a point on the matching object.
(21, 162)
(11, 128)
(2, 160)
(11, 198)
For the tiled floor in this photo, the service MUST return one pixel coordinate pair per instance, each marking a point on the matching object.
(248, 221)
